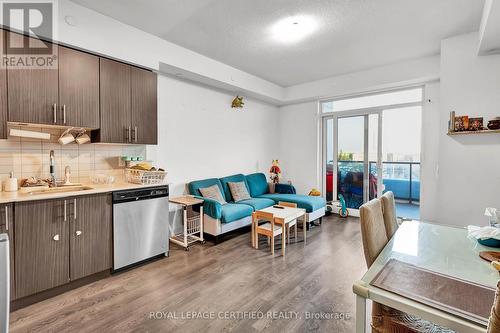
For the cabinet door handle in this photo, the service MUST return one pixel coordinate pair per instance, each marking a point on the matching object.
(54, 109)
(74, 209)
(65, 206)
(56, 237)
(64, 113)
(135, 134)
(78, 232)
(6, 218)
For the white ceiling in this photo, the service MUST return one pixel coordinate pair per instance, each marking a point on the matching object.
(353, 35)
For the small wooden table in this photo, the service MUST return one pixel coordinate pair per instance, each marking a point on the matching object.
(192, 224)
(282, 216)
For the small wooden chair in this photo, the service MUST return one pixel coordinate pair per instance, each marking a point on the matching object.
(268, 229)
(292, 223)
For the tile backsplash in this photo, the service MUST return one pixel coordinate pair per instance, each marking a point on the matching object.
(28, 157)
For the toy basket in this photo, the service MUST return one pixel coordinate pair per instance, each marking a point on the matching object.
(144, 177)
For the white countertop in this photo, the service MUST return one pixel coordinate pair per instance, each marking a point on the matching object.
(22, 195)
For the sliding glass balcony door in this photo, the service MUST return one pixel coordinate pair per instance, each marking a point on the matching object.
(353, 158)
(356, 166)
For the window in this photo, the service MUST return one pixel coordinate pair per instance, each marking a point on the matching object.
(370, 101)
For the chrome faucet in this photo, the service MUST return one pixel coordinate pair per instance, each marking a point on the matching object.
(52, 169)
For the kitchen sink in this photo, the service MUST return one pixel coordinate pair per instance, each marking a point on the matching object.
(61, 189)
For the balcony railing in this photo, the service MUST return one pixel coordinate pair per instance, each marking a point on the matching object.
(402, 178)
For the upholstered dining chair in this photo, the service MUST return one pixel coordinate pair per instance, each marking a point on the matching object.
(494, 322)
(375, 238)
(389, 211)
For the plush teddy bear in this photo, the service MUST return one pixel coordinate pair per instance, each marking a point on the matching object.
(275, 172)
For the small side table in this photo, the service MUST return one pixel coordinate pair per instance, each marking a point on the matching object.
(192, 221)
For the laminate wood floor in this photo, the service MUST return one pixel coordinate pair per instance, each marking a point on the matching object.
(307, 290)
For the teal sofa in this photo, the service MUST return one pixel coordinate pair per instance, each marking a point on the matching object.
(220, 219)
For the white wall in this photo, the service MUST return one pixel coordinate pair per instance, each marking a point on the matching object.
(400, 74)
(298, 142)
(469, 166)
(201, 136)
(429, 156)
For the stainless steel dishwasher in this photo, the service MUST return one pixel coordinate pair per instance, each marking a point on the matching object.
(140, 225)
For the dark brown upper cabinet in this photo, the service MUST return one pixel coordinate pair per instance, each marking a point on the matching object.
(3, 91)
(78, 88)
(144, 106)
(115, 102)
(128, 104)
(65, 95)
(32, 92)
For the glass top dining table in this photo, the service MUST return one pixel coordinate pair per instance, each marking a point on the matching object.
(442, 249)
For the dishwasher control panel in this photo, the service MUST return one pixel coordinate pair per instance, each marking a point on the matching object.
(140, 194)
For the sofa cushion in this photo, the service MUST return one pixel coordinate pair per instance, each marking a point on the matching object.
(232, 212)
(309, 203)
(257, 183)
(239, 191)
(258, 203)
(212, 192)
(233, 179)
(194, 186)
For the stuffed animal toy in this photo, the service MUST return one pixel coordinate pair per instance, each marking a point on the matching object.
(315, 193)
(275, 172)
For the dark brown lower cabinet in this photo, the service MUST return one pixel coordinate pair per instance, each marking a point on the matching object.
(90, 236)
(41, 246)
(59, 241)
(7, 227)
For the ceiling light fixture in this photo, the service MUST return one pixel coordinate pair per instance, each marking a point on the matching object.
(293, 29)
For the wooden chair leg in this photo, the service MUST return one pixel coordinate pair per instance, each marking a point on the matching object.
(272, 246)
(257, 241)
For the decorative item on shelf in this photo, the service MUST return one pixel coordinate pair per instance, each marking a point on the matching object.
(275, 172)
(494, 124)
(461, 123)
(476, 124)
(451, 122)
(237, 102)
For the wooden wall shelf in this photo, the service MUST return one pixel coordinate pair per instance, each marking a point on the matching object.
(474, 132)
